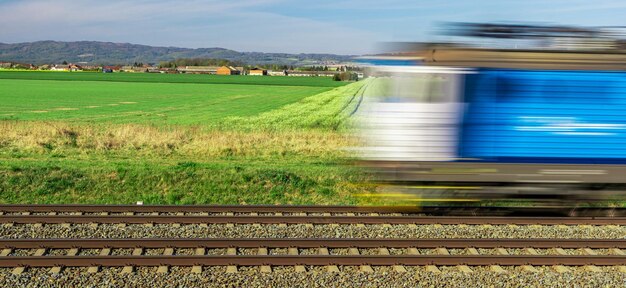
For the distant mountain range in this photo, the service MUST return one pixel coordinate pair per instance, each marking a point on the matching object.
(107, 53)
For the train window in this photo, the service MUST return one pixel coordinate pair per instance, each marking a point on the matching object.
(423, 88)
(555, 88)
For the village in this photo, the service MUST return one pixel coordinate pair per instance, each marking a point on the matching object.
(332, 70)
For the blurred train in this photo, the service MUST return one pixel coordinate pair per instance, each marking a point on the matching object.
(490, 125)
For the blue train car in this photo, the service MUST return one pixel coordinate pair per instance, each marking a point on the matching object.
(543, 116)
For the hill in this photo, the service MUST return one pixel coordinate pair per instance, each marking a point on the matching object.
(108, 53)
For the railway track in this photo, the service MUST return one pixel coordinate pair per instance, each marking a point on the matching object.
(83, 214)
(306, 219)
(340, 241)
(247, 209)
(406, 252)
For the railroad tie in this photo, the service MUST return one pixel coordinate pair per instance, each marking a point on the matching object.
(204, 225)
(530, 268)
(327, 214)
(462, 268)
(57, 269)
(6, 252)
(433, 268)
(617, 251)
(38, 225)
(231, 268)
(6, 224)
(103, 252)
(591, 268)
(255, 214)
(68, 225)
(150, 224)
(265, 268)
(307, 225)
(413, 251)
(176, 225)
(230, 214)
(329, 268)
(398, 268)
(496, 268)
(21, 269)
(294, 251)
(363, 268)
(200, 251)
(130, 269)
(164, 268)
(385, 225)
(26, 213)
(358, 224)
(122, 225)
(560, 268)
(429, 268)
(94, 225)
(279, 214)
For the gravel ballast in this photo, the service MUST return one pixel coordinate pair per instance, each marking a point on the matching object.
(315, 231)
(285, 277)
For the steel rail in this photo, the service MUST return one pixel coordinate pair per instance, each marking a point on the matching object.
(256, 260)
(439, 210)
(248, 219)
(155, 243)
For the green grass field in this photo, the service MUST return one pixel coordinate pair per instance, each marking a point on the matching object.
(172, 78)
(137, 102)
(180, 143)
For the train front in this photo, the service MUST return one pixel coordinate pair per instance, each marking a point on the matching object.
(541, 126)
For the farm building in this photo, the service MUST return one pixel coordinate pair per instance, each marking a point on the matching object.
(277, 73)
(228, 70)
(198, 69)
(74, 67)
(310, 73)
(60, 67)
(111, 69)
(258, 71)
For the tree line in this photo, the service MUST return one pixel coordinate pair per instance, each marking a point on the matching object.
(198, 62)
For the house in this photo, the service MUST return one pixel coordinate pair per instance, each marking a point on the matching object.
(74, 67)
(257, 71)
(60, 67)
(228, 70)
(168, 70)
(198, 69)
(277, 73)
(6, 64)
(90, 67)
(111, 69)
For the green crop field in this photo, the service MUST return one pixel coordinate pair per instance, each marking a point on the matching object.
(165, 142)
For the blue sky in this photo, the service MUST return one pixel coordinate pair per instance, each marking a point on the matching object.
(320, 26)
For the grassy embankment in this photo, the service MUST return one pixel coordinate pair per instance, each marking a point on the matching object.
(212, 143)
